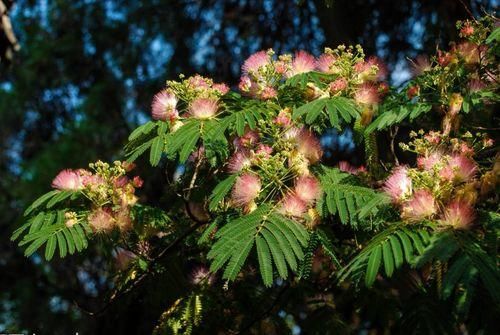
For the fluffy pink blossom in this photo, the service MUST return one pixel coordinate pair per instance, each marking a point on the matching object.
(292, 205)
(347, 167)
(164, 106)
(367, 94)
(123, 220)
(221, 88)
(249, 139)
(469, 51)
(281, 67)
(302, 62)
(420, 206)
(137, 182)
(459, 169)
(199, 82)
(201, 275)
(246, 189)
(307, 189)
(69, 180)
(325, 63)
(420, 65)
(283, 119)
(240, 160)
(101, 220)
(245, 84)
(428, 162)
(123, 258)
(398, 185)
(467, 30)
(309, 145)
(264, 150)
(255, 62)
(338, 85)
(268, 93)
(458, 214)
(476, 85)
(203, 108)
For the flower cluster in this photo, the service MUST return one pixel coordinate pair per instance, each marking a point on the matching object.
(454, 77)
(197, 96)
(273, 165)
(348, 73)
(108, 188)
(445, 183)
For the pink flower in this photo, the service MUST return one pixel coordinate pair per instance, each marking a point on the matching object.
(281, 67)
(283, 119)
(433, 137)
(203, 108)
(307, 189)
(303, 62)
(458, 214)
(123, 258)
(245, 84)
(338, 85)
(264, 150)
(455, 103)
(221, 88)
(292, 205)
(255, 62)
(121, 181)
(309, 146)
(398, 185)
(420, 206)
(123, 220)
(413, 91)
(459, 169)
(246, 189)
(249, 139)
(199, 82)
(268, 93)
(443, 58)
(101, 220)
(325, 63)
(137, 182)
(69, 180)
(469, 51)
(164, 106)
(201, 275)
(371, 69)
(476, 85)
(240, 160)
(420, 65)
(428, 162)
(347, 167)
(467, 30)
(367, 94)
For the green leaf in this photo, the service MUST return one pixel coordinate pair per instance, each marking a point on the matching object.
(388, 258)
(59, 197)
(69, 240)
(50, 247)
(494, 36)
(220, 191)
(313, 108)
(265, 262)
(278, 257)
(327, 245)
(373, 266)
(156, 150)
(38, 202)
(407, 246)
(61, 243)
(238, 259)
(397, 252)
(144, 129)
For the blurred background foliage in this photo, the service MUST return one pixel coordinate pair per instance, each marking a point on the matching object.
(84, 77)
